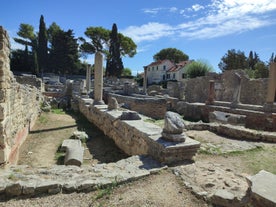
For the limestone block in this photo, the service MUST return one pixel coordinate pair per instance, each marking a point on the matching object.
(74, 152)
(263, 189)
(14, 189)
(47, 186)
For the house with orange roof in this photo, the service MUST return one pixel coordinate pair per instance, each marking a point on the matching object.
(177, 72)
(164, 70)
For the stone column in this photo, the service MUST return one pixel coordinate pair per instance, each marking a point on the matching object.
(211, 95)
(98, 79)
(145, 80)
(271, 90)
(88, 78)
(237, 92)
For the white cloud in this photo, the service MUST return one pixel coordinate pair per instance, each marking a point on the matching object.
(173, 9)
(152, 11)
(148, 32)
(197, 7)
(220, 18)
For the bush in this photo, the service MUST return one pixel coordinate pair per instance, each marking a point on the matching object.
(197, 68)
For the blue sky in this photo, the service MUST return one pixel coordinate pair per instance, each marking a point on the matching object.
(203, 29)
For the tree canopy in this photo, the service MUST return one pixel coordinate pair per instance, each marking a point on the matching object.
(171, 54)
(113, 44)
(254, 67)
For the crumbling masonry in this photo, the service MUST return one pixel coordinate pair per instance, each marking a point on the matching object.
(19, 105)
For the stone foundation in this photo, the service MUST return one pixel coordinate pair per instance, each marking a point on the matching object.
(137, 137)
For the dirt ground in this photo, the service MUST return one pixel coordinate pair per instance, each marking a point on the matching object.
(161, 189)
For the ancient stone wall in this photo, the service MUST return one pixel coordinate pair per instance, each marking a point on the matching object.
(149, 106)
(137, 137)
(19, 106)
(253, 91)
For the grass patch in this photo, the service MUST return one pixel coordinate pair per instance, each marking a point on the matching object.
(57, 111)
(158, 122)
(106, 191)
(260, 158)
(59, 156)
(43, 119)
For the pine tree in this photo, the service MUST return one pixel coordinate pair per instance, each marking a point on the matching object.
(114, 64)
(42, 52)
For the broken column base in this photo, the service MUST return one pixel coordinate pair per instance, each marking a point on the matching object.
(174, 137)
(174, 152)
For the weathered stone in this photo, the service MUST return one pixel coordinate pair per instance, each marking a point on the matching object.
(130, 115)
(263, 189)
(28, 187)
(223, 198)
(81, 135)
(173, 123)
(14, 189)
(98, 80)
(173, 127)
(113, 104)
(46, 186)
(74, 152)
(174, 137)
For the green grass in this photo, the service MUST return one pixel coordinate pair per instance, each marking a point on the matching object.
(43, 119)
(159, 122)
(261, 158)
(57, 111)
(106, 191)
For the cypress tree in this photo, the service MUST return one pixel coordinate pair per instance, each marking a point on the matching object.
(42, 55)
(114, 64)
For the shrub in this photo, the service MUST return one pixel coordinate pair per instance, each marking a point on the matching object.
(197, 68)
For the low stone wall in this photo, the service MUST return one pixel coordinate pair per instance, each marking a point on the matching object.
(255, 117)
(19, 105)
(149, 106)
(137, 137)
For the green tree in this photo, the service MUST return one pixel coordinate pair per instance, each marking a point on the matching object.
(100, 40)
(261, 70)
(114, 64)
(171, 54)
(253, 59)
(28, 39)
(197, 68)
(52, 31)
(126, 72)
(233, 60)
(42, 50)
(21, 60)
(64, 56)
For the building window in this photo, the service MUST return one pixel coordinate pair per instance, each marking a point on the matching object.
(152, 68)
(183, 75)
(164, 67)
(168, 76)
(164, 77)
(148, 69)
(174, 76)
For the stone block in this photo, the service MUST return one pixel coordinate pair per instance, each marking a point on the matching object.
(14, 189)
(263, 189)
(45, 186)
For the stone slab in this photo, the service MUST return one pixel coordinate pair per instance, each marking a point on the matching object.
(264, 188)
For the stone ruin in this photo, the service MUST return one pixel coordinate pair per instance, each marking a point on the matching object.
(127, 128)
(17, 97)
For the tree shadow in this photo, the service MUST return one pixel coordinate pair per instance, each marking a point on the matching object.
(51, 129)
